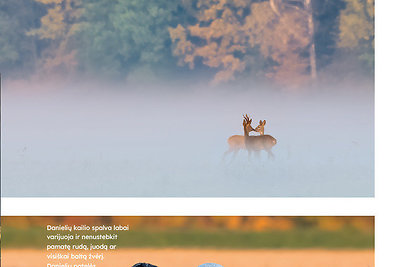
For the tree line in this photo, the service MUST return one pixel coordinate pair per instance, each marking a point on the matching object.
(288, 42)
(212, 223)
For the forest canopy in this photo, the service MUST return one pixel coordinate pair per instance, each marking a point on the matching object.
(285, 42)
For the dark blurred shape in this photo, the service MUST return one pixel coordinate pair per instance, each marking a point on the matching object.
(142, 264)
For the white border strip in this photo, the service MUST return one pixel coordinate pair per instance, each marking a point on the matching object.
(187, 206)
(387, 129)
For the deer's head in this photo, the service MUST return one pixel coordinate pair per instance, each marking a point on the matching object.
(260, 127)
(247, 124)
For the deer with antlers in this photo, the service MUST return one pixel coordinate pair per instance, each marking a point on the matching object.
(236, 142)
(257, 143)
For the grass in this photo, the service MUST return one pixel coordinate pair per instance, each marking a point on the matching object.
(292, 239)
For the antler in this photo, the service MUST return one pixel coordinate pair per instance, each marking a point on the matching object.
(246, 117)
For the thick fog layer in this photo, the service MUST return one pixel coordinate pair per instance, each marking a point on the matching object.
(121, 142)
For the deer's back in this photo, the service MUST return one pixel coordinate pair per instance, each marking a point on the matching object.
(260, 142)
(236, 141)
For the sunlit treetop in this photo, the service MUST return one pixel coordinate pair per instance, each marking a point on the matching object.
(357, 29)
(357, 23)
(230, 40)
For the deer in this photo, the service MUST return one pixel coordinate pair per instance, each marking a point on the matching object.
(260, 127)
(236, 142)
(257, 143)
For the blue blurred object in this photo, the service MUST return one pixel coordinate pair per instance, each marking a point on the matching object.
(142, 264)
(210, 265)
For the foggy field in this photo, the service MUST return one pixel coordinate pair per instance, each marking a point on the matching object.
(195, 257)
(78, 142)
